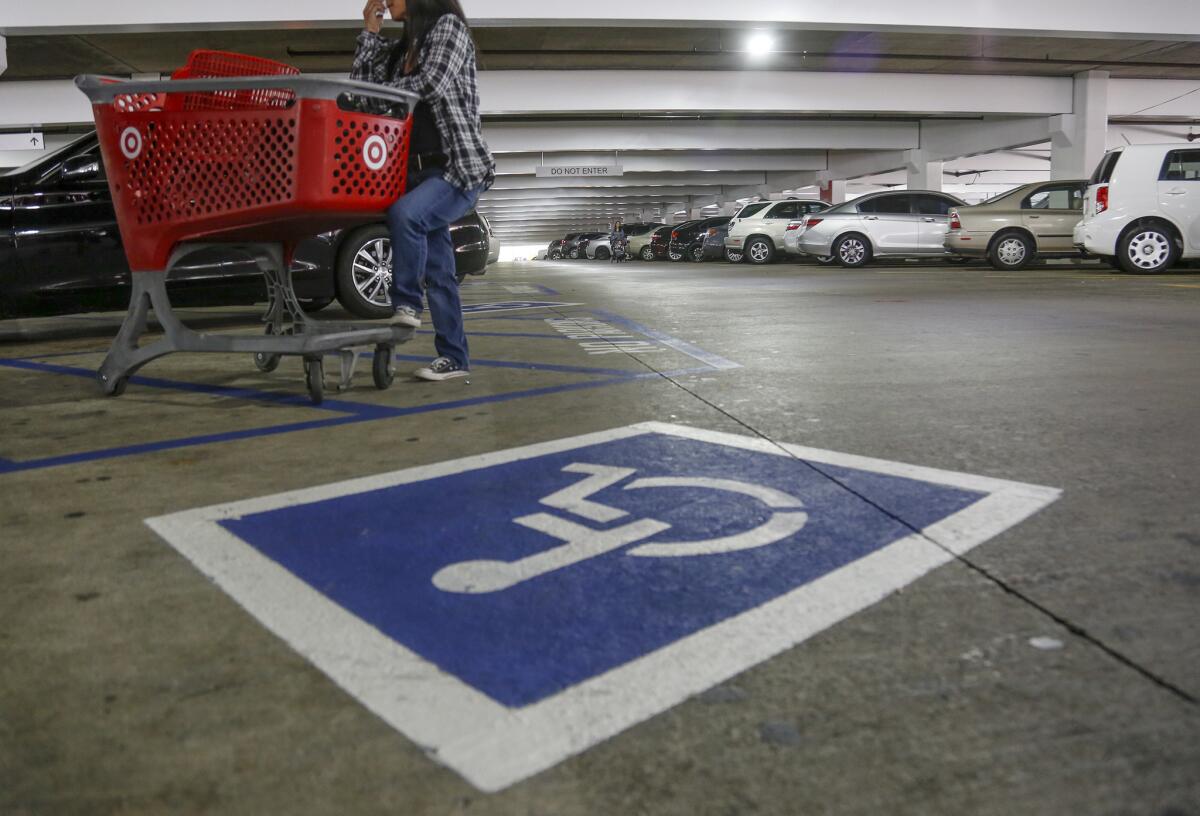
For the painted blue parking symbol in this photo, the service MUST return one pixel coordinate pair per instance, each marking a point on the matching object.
(587, 583)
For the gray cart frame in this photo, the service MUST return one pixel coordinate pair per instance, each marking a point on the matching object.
(289, 330)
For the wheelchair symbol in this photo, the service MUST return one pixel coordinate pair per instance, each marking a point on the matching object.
(581, 542)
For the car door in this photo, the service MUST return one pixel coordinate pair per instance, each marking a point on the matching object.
(1179, 194)
(933, 212)
(1051, 212)
(66, 236)
(891, 223)
(776, 220)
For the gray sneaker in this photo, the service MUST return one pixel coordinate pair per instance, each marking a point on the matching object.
(406, 316)
(443, 368)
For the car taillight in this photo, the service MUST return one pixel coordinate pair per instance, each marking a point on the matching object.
(955, 221)
(791, 227)
(1101, 198)
(809, 223)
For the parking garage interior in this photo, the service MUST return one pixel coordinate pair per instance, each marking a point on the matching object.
(737, 535)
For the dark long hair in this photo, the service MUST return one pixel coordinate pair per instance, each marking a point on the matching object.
(421, 18)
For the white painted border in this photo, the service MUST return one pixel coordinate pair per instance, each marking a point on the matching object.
(493, 746)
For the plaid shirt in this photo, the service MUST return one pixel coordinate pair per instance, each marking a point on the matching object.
(445, 77)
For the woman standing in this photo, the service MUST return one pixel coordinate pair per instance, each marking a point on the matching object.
(449, 164)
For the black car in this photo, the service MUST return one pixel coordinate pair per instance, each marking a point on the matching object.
(60, 250)
(714, 245)
(659, 244)
(577, 249)
(687, 239)
(556, 250)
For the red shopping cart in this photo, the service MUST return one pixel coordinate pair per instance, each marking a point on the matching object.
(249, 154)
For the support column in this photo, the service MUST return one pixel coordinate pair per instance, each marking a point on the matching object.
(729, 207)
(833, 192)
(923, 174)
(1080, 137)
(3, 54)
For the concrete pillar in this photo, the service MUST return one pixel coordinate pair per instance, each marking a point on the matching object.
(3, 54)
(833, 192)
(1079, 138)
(729, 207)
(923, 174)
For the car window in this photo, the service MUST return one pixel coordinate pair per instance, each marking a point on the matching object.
(1104, 170)
(1066, 197)
(1181, 165)
(887, 205)
(788, 210)
(813, 207)
(753, 209)
(933, 205)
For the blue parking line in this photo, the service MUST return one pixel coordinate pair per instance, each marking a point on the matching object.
(373, 413)
(708, 358)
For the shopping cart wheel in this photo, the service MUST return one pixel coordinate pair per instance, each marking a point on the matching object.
(116, 388)
(381, 368)
(265, 361)
(314, 375)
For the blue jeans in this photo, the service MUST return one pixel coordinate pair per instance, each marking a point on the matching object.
(422, 251)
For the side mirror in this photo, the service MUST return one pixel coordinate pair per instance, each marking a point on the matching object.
(80, 168)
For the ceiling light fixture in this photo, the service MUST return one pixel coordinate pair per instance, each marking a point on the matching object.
(760, 44)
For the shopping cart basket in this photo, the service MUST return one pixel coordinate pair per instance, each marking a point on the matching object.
(255, 164)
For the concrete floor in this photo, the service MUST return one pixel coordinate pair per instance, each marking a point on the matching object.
(1054, 669)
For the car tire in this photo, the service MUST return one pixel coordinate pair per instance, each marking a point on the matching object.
(1011, 250)
(697, 254)
(363, 274)
(602, 254)
(760, 251)
(574, 255)
(853, 250)
(1147, 249)
(733, 256)
(556, 256)
(647, 254)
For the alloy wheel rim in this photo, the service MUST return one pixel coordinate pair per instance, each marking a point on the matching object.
(758, 251)
(1011, 251)
(372, 271)
(1149, 250)
(852, 251)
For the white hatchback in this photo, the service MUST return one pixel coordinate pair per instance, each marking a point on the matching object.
(1142, 207)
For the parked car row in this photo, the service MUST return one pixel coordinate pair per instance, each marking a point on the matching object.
(60, 250)
(1140, 211)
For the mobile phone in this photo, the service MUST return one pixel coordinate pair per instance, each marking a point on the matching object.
(380, 13)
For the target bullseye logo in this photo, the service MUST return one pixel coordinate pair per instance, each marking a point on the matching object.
(375, 152)
(131, 143)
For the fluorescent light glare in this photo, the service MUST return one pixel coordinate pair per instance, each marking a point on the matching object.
(760, 44)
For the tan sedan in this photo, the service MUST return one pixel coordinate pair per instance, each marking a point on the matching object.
(1036, 220)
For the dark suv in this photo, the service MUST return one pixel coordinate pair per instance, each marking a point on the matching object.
(687, 240)
(60, 250)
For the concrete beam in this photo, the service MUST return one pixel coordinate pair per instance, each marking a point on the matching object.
(1154, 19)
(682, 161)
(663, 193)
(633, 180)
(843, 93)
(532, 137)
